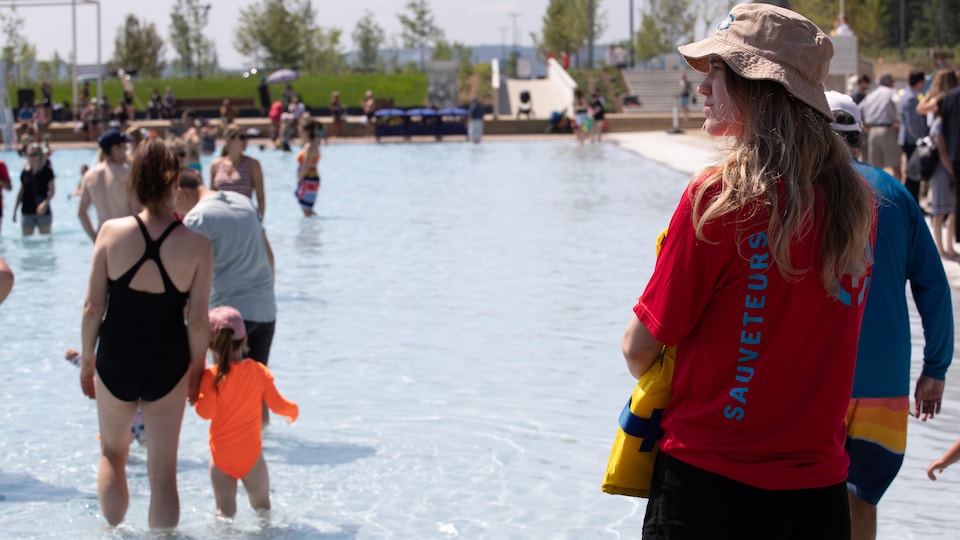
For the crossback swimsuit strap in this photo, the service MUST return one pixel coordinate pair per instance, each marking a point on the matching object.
(151, 251)
(143, 351)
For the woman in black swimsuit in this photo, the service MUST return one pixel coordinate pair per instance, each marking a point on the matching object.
(146, 271)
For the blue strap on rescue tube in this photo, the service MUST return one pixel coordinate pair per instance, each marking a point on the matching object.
(647, 429)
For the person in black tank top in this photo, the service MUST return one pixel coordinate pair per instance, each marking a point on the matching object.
(150, 322)
(145, 332)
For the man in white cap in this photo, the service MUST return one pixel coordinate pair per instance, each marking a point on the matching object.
(105, 185)
(904, 251)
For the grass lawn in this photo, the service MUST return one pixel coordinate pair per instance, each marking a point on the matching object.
(407, 90)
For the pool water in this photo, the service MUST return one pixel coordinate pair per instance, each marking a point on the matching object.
(450, 326)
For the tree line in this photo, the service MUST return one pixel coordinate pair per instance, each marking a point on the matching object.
(881, 26)
(284, 33)
(271, 34)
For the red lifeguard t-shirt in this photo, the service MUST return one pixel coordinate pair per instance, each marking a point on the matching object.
(764, 366)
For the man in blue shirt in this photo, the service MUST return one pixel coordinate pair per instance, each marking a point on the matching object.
(880, 404)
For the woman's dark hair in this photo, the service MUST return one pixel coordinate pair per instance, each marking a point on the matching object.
(189, 179)
(153, 174)
(852, 138)
(229, 132)
(309, 126)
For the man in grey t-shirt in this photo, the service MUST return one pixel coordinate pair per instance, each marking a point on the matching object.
(242, 259)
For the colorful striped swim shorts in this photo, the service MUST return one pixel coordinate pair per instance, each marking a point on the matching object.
(306, 192)
(876, 440)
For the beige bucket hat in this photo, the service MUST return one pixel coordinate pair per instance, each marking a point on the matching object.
(767, 42)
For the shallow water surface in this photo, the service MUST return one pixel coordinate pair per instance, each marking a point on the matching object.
(450, 326)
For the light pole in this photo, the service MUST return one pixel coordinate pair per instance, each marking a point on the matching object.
(941, 40)
(199, 46)
(73, 68)
(503, 42)
(590, 34)
(903, 32)
(632, 44)
(99, 57)
(515, 39)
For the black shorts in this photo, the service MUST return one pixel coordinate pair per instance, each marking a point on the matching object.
(259, 340)
(689, 502)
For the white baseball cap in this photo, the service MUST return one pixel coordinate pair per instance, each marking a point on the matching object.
(843, 103)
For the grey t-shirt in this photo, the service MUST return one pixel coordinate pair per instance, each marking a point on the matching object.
(241, 270)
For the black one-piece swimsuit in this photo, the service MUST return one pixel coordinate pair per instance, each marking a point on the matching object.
(143, 350)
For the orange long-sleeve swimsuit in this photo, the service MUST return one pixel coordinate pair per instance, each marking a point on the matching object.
(234, 408)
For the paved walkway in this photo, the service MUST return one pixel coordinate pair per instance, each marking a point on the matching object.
(690, 151)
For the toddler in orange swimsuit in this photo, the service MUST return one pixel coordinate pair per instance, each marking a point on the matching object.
(230, 396)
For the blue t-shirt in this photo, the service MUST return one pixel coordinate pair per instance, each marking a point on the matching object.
(904, 251)
(476, 111)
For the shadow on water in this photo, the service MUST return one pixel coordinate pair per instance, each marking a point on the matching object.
(303, 297)
(293, 451)
(298, 531)
(127, 532)
(293, 531)
(18, 488)
(309, 238)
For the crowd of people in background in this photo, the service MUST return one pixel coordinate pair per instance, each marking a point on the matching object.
(904, 121)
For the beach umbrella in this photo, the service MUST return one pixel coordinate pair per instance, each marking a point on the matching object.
(282, 76)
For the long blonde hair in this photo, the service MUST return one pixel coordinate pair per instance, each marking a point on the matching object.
(943, 81)
(790, 166)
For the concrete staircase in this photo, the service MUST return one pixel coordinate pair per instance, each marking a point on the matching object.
(657, 89)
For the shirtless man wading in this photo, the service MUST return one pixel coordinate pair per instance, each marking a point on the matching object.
(105, 184)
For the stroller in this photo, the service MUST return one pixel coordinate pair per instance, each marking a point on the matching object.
(526, 105)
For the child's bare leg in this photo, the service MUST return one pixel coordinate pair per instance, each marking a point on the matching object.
(114, 417)
(162, 419)
(257, 484)
(224, 491)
